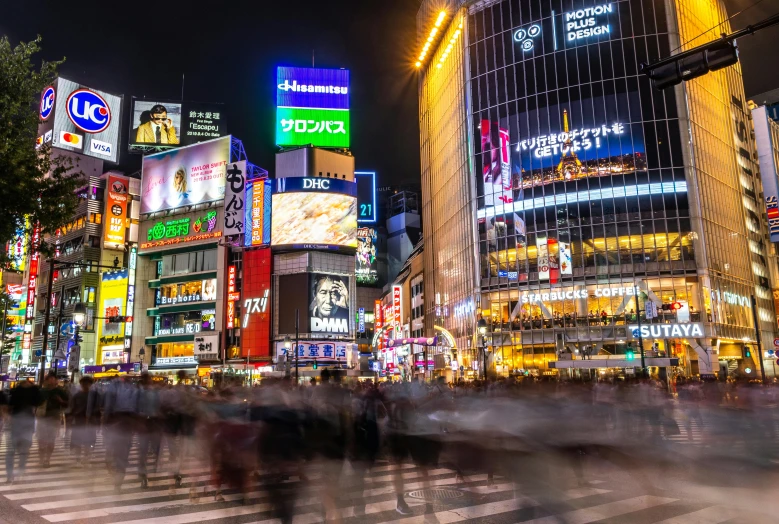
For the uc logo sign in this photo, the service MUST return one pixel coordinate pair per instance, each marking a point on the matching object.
(47, 102)
(88, 111)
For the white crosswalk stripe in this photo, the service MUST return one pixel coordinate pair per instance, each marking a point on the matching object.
(64, 494)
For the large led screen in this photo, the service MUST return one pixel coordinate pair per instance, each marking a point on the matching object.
(184, 177)
(317, 219)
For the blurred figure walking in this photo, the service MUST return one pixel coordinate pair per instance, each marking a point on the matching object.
(55, 399)
(23, 401)
(84, 418)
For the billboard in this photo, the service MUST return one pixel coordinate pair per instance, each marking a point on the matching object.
(293, 303)
(80, 119)
(366, 196)
(366, 270)
(258, 213)
(312, 107)
(113, 299)
(168, 124)
(496, 164)
(235, 189)
(766, 155)
(186, 176)
(255, 303)
(116, 195)
(329, 304)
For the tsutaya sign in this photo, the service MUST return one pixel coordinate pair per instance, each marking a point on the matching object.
(573, 294)
(667, 330)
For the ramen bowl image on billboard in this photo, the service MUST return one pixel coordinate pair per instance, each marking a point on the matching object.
(186, 176)
(314, 212)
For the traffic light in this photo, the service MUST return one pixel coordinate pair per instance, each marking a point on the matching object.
(749, 353)
(315, 364)
(673, 306)
(709, 57)
(630, 355)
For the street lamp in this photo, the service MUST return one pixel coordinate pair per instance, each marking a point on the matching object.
(79, 314)
(483, 333)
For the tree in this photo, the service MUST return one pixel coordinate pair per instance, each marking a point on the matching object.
(36, 186)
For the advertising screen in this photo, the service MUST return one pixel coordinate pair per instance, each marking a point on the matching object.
(366, 270)
(116, 210)
(324, 219)
(113, 297)
(168, 124)
(312, 107)
(255, 303)
(184, 177)
(329, 304)
(293, 302)
(192, 227)
(366, 196)
(80, 119)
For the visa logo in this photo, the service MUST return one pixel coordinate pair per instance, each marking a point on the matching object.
(100, 148)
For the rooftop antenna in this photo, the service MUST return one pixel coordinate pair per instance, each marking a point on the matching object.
(312, 59)
(182, 87)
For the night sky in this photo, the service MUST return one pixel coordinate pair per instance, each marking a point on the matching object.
(228, 53)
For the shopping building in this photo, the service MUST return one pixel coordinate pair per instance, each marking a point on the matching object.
(565, 201)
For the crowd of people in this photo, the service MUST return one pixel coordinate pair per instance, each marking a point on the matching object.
(332, 433)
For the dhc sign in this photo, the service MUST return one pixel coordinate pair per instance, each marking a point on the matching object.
(667, 330)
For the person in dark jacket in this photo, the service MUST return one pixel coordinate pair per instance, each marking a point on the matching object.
(84, 418)
(55, 399)
(23, 401)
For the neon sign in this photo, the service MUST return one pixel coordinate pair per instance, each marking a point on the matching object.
(667, 330)
(583, 23)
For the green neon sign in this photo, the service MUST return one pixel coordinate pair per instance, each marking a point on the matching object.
(180, 227)
(297, 126)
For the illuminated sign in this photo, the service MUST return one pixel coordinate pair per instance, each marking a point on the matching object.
(113, 301)
(361, 320)
(33, 279)
(115, 210)
(312, 107)
(576, 294)
(465, 308)
(186, 176)
(254, 305)
(323, 350)
(525, 36)
(316, 219)
(85, 120)
(583, 23)
(396, 307)
(315, 185)
(234, 198)
(178, 123)
(667, 330)
(580, 140)
(232, 273)
(764, 140)
(258, 213)
(377, 320)
(329, 303)
(732, 298)
(128, 326)
(366, 196)
(179, 230)
(175, 360)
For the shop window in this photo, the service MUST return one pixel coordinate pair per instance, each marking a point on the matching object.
(96, 218)
(89, 295)
(176, 349)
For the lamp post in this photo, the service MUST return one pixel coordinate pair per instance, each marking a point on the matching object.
(288, 347)
(483, 333)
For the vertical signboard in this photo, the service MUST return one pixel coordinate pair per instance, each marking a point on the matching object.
(377, 320)
(361, 320)
(234, 198)
(116, 195)
(32, 281)
(396, 309)
(312, 107)
(496, 164)
(255, 303)
(232, 275)
(566, 262)
(258, 213)
(128, 326)
(767, 151)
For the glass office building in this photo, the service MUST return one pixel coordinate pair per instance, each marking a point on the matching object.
(591, 197)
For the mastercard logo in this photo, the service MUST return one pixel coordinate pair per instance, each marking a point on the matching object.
(70, 139)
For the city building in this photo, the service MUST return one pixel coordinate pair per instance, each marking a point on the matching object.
(565, 200)
(404, 229)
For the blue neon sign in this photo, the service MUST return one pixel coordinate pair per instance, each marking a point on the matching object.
(305, 87)
(366, 196)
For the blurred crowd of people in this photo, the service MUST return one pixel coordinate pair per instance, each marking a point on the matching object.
(331, 434)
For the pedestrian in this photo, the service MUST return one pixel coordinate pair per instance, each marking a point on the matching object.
(121, 415)
(84, 417)
(55, 399)
(23, 401)
(149, 426)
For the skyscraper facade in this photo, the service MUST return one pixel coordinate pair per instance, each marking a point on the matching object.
(569, 202)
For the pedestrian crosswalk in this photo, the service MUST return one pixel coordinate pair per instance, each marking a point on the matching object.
(63, 493)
